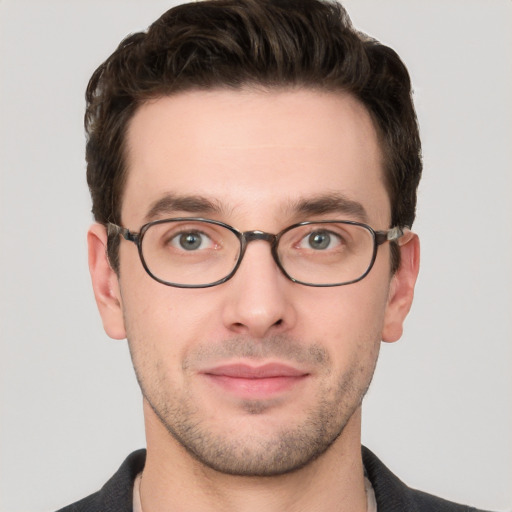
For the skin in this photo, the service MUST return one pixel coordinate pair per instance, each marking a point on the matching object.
(244, 447)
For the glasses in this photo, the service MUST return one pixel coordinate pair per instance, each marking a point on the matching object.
(189, 252)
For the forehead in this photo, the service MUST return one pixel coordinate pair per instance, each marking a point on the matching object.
(253, 152)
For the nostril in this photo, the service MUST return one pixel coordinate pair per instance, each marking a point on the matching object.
(279, 322)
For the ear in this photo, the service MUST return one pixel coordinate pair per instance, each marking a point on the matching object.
(105, 283)
(401, 290)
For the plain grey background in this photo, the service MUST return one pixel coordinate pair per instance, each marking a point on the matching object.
(439, 412)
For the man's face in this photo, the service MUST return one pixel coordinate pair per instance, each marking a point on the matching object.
(258, 375)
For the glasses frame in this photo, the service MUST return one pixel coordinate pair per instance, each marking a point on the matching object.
(246, 237)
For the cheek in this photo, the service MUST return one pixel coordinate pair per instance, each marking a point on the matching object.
(351, 309)
(347, 320)
(158, 336)
(162, 323)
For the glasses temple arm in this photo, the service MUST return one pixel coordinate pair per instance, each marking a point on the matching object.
(115, 230)
(391, 235)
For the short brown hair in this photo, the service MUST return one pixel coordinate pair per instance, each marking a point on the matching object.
(235, 43)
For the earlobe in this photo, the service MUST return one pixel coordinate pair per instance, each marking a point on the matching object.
(401, 291)
(105, 283)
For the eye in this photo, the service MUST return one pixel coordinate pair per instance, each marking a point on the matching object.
(320, 240)
(191, 241)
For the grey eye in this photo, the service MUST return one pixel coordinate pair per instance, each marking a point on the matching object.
(320, 240)
(191, 241)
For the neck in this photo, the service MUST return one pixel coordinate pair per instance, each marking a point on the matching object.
(174, 480)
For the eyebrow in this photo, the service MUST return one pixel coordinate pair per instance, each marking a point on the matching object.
(172, 203)
(334, 203)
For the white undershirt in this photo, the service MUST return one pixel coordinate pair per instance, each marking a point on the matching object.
(370, 495)
(371, 502)
(137, 505)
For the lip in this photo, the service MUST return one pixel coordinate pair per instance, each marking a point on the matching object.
(255, 382)
(245, 371)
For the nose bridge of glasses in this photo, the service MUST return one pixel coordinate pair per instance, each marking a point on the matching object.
(255, 235)
(250, 236)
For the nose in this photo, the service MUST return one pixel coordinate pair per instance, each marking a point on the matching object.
(258, 300)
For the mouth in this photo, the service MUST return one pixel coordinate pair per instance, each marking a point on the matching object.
(255, 382)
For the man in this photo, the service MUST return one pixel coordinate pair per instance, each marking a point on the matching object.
(253, 168)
